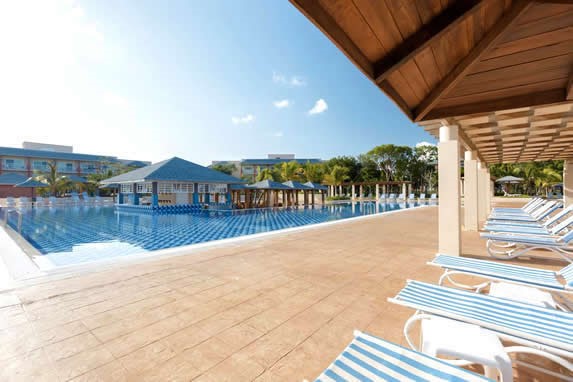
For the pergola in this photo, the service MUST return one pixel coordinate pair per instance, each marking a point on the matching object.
(492, 78)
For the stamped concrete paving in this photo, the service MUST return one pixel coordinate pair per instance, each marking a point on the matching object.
(273, 309)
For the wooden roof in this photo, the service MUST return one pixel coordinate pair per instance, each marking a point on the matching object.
(444, 59)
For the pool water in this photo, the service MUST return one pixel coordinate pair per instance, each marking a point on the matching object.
(73, 235)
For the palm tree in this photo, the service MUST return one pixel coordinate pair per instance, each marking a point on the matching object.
(265, 174)
(314, 172)
(337, 175)
(54, 180)
(291, 170)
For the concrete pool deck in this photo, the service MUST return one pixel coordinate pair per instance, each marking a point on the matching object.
(275, 308)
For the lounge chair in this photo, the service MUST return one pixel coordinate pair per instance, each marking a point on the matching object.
(434, 197)
(40, 202)
(495, 271)
(553, 220)
(535, 330)
(412, 197)
(392, 197)
(530, 210)
(511, 245)
(527, 205)
(401, 197)
(24, 202)
(546, 229)
(370, 358)
(422, 198)
(383, 197)
(10, 202)
(536, 216)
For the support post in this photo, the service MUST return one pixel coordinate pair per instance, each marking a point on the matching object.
(483, 181)
(568, 182)
(312, 197)
(409, 189)
(470, 192)
(353, 196)
(449, 219)
(154, 195)
(361, 192)
(377, 192)
(404, 190)
(323, 197)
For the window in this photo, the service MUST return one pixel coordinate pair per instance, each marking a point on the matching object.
(218, 188)
(88, 168)
(144, 188)
(203, 188)
(14, 164)
(65, 167)
(126, 188)
(40, 165)
(175, 188)
(248, 170)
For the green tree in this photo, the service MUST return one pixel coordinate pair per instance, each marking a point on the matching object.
(337, 175)
(392, 161)
(290, 171)
(352, 165)
(56, 183)
(226, 168)
(267, 174)
(314, 172)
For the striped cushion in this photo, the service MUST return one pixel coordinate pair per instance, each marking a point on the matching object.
(525, 239)
(533, 276)
(519, 320)
(370, 358)
(514, 229)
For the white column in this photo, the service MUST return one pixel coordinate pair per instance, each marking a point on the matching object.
(377, 192)
(404, 190)
(483, 181)
(353, 196)
(470, 192)
(361, 191)
(409, 189)
(449, 219)
(568, 182)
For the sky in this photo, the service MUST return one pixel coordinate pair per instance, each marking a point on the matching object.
(202, 80)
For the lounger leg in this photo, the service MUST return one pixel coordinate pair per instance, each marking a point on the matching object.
(447, 276)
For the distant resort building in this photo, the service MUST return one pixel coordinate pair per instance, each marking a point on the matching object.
(18, 164)
(248, 169)
(172, 182)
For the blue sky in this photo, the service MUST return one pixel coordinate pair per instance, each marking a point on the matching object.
(201, 80)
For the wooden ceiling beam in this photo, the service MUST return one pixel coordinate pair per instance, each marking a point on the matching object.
(424, 37)
(540, 98)
(569, 89)
(464, 66)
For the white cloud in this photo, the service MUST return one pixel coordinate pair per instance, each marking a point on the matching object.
(319, 107)
(282, 103)
(243, 120)
(424, 143)
(113, 99)
(293, 81)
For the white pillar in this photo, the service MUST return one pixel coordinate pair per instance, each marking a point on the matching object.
(483, 186)
(568, 182)
(377, 192)
(409, 189)
(449, 219)
(404, 190)
(470, 192)
(361, 191)
(353, 191)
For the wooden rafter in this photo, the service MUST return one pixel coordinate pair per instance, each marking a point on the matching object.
(535, 99)
(569, 89)
(485, 44)
(421, 39)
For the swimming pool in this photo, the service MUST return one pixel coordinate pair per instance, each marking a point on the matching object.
(74, 235)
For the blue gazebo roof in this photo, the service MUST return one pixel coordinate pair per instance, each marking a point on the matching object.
(76, 178)
(31, 183)
(269, 185)
(12, 179)
(296, 185)
(316, 186)
(173, 170)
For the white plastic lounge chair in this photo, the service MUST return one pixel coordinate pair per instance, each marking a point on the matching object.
(536, 330)
(401, 197)
(383, 197)
(542, 230)
(495, 271)
(537, 216)
(369, 358)
(10, 202)
(392, 197)
(412, 197)
(528, 205)
(553, 220)
(40, 202)
(532, 210)
(511, 245)
(434, 197)
(24, 202)
(422, 197)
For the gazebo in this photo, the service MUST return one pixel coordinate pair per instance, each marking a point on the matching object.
(171, 182)
(297, 187)
(322, 189)
(267, 192)
(492, 80)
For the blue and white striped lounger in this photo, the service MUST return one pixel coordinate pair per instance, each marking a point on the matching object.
(537, 216)
(543, 331)
(543, 230)
(369, 358)
(509, 245)
(491, 270)
(526, 207)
